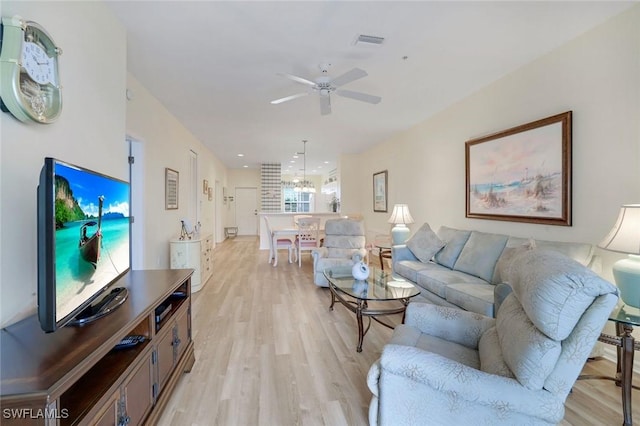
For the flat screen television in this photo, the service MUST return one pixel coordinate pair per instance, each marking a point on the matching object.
(83, 244)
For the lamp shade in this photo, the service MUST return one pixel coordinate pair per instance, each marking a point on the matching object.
(400, 214)
(400, 217)
(624, 237)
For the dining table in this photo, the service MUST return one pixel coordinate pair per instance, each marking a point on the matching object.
(286, 232)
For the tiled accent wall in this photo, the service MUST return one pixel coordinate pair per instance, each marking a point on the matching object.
(271, 187)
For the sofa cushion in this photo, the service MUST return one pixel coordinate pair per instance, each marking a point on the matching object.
(530, 354)
(580, 252)
(409, 269)
(491, 360)
(480, 254)
(472, 297)
(555, 290)
(454, 240)
(344, 227)
(345, 252)
(411, 336)
(503, 266)
(436, 278)
(424, 243)
(344, 241)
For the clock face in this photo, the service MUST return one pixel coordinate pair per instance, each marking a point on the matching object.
(30, 88)
(37, 63)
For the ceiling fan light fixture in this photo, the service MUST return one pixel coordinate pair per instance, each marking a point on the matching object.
(326, 85)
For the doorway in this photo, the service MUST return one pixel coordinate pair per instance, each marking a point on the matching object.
(247, 211)
(136, 204)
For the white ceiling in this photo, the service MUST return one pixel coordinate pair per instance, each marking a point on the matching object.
(215, 65)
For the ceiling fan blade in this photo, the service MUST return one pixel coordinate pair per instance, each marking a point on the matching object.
(299, 79)
(289, 98)
(325, 105)
(359, 96)
(348, 77)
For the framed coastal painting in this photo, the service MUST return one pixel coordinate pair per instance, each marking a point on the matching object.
(522, 174)
(380, 191)
(170, 189)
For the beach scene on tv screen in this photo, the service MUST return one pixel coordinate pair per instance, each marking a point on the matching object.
(92, 235)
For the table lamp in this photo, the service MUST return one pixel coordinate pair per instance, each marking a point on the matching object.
(400, 217)
(624, 237)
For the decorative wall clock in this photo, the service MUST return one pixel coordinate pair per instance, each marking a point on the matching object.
(30, 84)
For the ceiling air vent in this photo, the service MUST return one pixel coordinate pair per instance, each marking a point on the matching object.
(368, 39)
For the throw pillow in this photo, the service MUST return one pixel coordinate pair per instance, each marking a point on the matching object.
(454, 239)
(424, 244)
(480, 254)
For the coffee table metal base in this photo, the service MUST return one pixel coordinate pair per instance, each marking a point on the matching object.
(361, 309)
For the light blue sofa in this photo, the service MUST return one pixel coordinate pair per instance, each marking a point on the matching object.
(463, 274)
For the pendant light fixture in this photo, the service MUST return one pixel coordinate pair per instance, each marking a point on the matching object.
(304, 185)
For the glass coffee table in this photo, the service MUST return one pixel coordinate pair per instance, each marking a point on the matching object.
(381, 288)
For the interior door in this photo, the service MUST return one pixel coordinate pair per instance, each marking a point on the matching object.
(247, 211)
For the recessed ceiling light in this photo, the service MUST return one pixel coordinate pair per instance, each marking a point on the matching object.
(245, 166)
(292, 161)
(240, 155)
(326, 162)
(295, 156)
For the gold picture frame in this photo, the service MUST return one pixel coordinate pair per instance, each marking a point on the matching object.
(522, 174)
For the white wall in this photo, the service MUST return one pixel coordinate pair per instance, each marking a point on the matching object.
(596, 76)
(89, 132)
(167, 143)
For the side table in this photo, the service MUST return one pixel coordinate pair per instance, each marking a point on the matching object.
(383, 244)
(624, 317)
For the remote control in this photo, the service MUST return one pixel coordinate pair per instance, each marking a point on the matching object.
(130, 341)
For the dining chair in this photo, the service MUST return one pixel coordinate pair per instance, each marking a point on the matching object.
(280, 243)
(308, 236)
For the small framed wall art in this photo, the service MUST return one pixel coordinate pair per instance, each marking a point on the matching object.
(170, 189)
(380, 191)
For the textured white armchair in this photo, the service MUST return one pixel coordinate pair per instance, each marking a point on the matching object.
(344, 244)
(447, 366)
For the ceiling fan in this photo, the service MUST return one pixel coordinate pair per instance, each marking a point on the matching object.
(326, 85)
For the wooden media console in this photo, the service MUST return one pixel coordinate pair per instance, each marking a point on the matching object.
(74, 376)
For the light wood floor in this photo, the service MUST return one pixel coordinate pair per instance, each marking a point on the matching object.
(269, 352)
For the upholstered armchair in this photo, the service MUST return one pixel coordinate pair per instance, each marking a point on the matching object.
(448, 366)
(344, 244)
